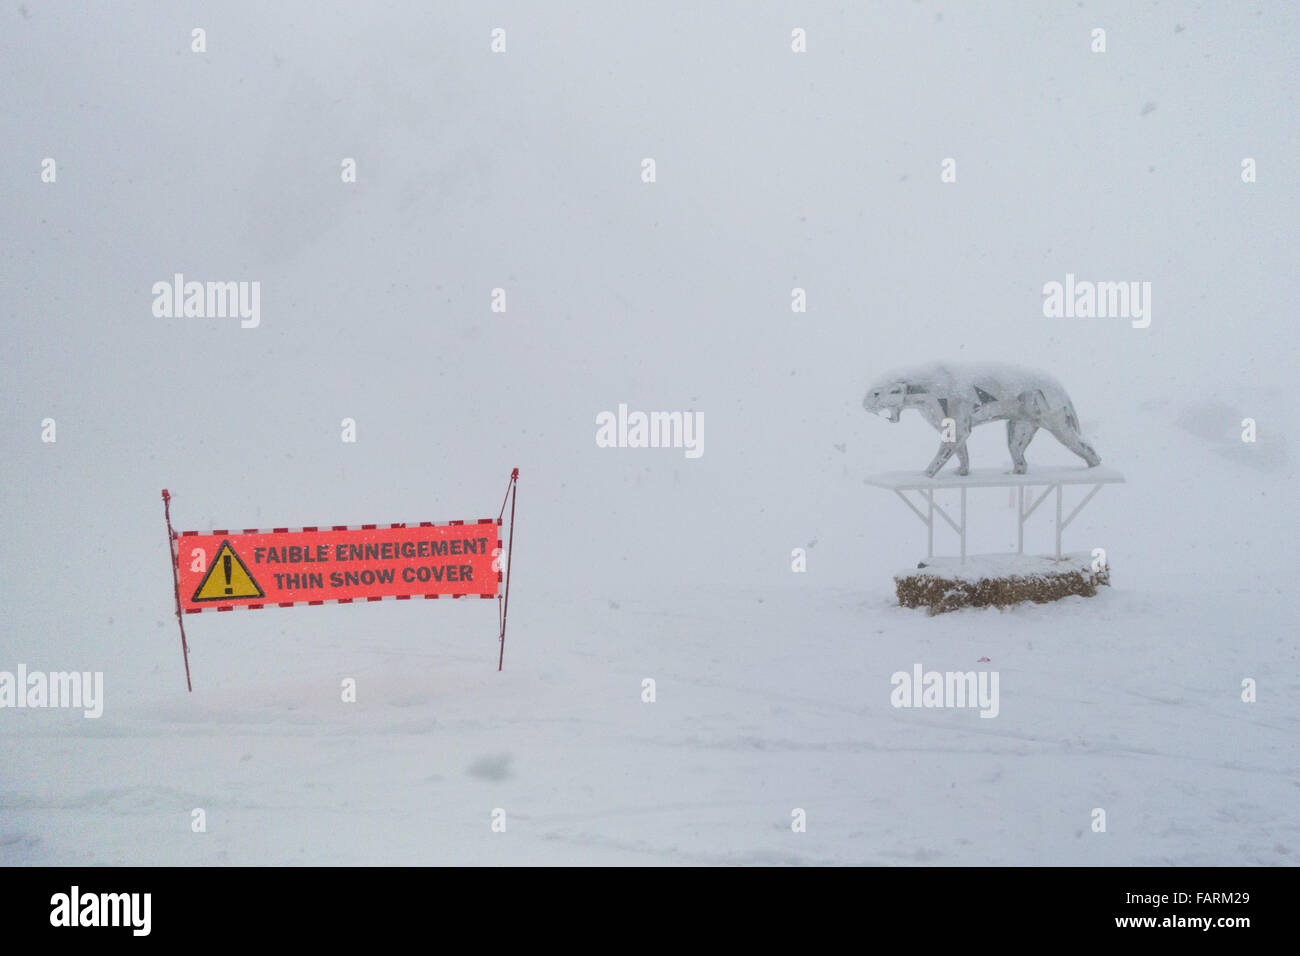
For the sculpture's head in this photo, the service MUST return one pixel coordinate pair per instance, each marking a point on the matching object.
(885, 397)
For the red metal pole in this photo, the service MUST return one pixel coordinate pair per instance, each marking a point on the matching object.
(176, 584)
(510, 550)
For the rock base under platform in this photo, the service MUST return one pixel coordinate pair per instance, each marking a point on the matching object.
(946, 584)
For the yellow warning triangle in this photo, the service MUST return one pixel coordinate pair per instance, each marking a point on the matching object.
(227, 578)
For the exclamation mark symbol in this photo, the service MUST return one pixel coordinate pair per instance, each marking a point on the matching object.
(225, 566)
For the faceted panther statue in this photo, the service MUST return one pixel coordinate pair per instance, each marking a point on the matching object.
(954, 398)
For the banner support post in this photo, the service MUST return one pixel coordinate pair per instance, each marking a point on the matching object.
(176, 585)
(510, 548)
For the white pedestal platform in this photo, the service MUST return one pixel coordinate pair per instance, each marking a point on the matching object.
(1050, 479)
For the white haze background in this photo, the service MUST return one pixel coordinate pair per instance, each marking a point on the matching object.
(521, 171)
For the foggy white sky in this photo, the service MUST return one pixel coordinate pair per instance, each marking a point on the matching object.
(521, 170)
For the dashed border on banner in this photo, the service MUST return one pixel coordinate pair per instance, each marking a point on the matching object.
(342, 527)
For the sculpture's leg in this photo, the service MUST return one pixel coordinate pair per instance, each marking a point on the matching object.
(958, 445)
(941, 458)
(963, 460)
(1074, 441)
(1019, 434)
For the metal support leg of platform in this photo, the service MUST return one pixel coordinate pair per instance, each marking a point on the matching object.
(1062, 525)
(1026, 504)
(1061, 522)
(1024, 513)
(1058, 522)
(963, 526)
(927, 518)
(1020, 522)
(929, 523)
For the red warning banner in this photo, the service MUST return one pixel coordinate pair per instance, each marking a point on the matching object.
(223, 570)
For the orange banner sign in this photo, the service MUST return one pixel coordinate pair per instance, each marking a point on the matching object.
(223, 570)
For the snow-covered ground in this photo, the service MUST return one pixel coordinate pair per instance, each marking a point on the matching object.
(768, 698)
(521, 171)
